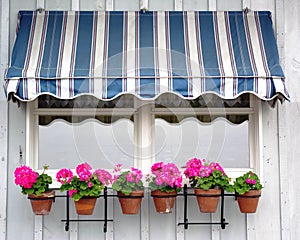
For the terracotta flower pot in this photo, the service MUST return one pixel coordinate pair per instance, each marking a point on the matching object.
(208, 199)
(164, 201)
(130, 204)
(85, 205)
(248, 202)
(41, 205)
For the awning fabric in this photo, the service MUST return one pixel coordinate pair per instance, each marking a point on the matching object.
(106, 54)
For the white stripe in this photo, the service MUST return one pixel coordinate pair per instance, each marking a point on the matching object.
(195, 65)
(12, 85)
(31, 88)
(225, 55)
(162, 52)
(36, 43)
(257, 54)
(131, 53)
(65, 66)
(279, 85)
(99, 54)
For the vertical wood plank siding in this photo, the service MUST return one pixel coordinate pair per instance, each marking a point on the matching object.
(21, 224)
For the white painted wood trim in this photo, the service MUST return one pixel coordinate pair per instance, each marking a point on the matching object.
(74, 230)
(75, 5)
(282, 130)
(4, 52)
(144, 135)
(40, 4)
(144, 152)
(110, 214)
(178, 5)
(250, 222)
(256, 137)
(31, 136)
(109, 6)
(84, 111)
(212, 5)
(202, 111)
(216, 229)
(145, 216)
(144, 5)
(38, 227)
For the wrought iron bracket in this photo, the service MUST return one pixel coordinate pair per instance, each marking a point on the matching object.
(105, 219)
(186, 222)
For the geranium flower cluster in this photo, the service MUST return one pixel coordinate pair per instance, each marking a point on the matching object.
(86, 183)
(64, 176)
(251, 178)
(128, 180)
(104, 176)
(165, 176)
(250, 181)
(25, 176)
(30, 181)
(193, 167)
(84, 171)
(200, 168)
(205, 175)
(245, 183)
(134, 176)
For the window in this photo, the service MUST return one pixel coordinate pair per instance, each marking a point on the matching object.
(62, 133)
(225, 131)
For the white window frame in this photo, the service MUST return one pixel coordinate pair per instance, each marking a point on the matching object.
(144, 134)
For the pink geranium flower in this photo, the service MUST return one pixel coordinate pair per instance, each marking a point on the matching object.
(25, 176)
(64, 176)
(165, 176)
(83, 171)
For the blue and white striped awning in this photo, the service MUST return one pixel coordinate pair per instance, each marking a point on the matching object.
(105, 54)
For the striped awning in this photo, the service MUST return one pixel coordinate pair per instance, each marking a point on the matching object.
(105, 54)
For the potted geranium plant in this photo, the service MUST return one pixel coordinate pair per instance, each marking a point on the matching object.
(248, 190)
(85, 187)
(129, 187)
(208, 180)
(164, 183)
(36, 185)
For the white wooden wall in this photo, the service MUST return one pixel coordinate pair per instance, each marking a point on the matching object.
(278, 213)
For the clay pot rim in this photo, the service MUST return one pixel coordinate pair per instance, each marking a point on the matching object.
(163, 194)
(250, 194)
(133, 194)
(50, 194)
(207, 193)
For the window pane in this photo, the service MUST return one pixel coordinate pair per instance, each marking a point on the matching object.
(64, 145)
(220, 141)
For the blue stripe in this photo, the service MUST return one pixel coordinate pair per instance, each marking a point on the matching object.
(115, 54)
(48, 85)
(84, 40)
(51, 51)
(20, 92)
(245, 84)
(83, 52)
(19, 52)
(239, 43)
(270, 44)
(178, 58)
(147, 86)
(209, 52)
